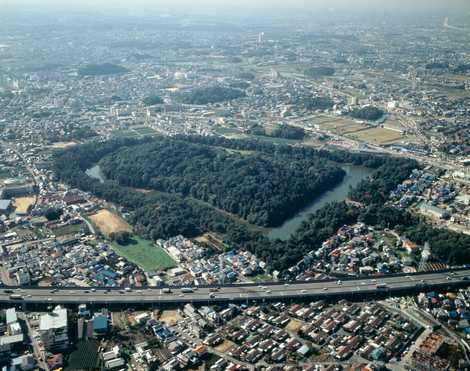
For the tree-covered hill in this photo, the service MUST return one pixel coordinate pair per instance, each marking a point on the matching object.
(214, 94)
(263, 190)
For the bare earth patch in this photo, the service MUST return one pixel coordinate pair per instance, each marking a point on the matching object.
(170, 317)
(294, 325)
(22, 204)
(225, 346)
(108, 222)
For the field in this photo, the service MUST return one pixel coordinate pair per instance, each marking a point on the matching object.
(378, 136)
(145, 254)
(68, 230)
(108, 222)
(22, 204)
(338, 125)
(135, 132)
(124, 133)
(62, 145)
(144, 130)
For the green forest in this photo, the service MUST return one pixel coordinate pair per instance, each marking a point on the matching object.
(369, 113)
(263, 190)
(101, 69)
(319, 71)
(214, 94)
(279, 131)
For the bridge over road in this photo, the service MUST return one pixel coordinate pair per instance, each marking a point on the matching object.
(351, 289)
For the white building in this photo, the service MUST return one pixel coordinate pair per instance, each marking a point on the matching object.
(53, 329)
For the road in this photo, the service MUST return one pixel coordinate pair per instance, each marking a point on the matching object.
(243, 292)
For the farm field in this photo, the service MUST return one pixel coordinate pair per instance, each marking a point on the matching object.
(145, 254)
(377, 135)
(108, 222)
(22, 204)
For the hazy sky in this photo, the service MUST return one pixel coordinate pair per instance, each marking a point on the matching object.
(201, 6)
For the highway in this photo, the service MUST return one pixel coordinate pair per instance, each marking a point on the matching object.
(392, 284)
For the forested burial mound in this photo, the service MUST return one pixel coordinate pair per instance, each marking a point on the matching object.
(262, 189)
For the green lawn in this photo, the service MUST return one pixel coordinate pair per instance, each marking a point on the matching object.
(124, 133)
(70, 229)
(145, 254)
(145, 131)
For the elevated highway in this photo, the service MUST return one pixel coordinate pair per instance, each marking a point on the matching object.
(355, 288)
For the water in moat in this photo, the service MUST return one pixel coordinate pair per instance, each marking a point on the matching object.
(354, 174)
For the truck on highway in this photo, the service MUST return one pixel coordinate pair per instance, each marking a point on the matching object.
(16, 297)
(381, 286)
(187, 290)
(166, 290)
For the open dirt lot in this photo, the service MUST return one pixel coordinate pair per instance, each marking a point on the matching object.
(22, 204)
(108, 222)
(294, 325)
(170, 317)
(225, 346)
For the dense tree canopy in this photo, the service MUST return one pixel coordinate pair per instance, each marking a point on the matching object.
(214, 94)
(318, 103)
(264, 190)
(319, 71)
(152, 100)
(288, 132)
(101, 69)
(369, 113)
(279, 131)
